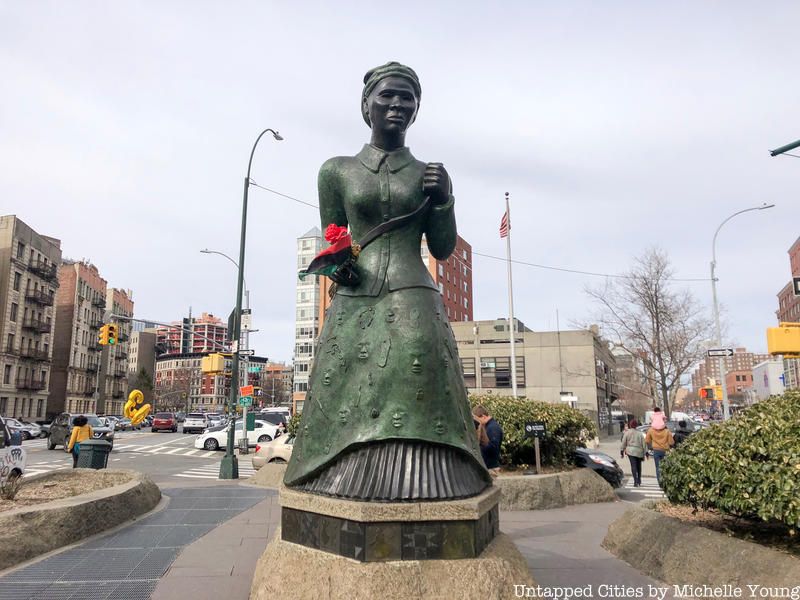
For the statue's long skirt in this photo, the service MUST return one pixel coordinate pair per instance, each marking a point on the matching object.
(386, 416)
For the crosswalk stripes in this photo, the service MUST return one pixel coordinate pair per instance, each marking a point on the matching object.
(39, 468)
(211, 471)
(165, 449)
(649, 488)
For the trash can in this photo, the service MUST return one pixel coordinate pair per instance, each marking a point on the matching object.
(94, 454)
(243, 446)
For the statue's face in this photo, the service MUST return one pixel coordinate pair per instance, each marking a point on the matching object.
(392, 105)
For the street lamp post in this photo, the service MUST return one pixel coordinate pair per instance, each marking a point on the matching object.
(229, 467)
(245, 339)
(726, 411)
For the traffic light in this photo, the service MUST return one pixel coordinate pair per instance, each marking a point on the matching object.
(707, 393)
(103, 336)
(113, 331)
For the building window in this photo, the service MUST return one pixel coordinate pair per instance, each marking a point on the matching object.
(21, 251)
(6, 376)
(441, 270)
(17, 281)
(441, 288)
(495, 372)
(468, 368)
(3, 405)
(13, 316)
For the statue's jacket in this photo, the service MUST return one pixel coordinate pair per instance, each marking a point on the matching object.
(386, 366)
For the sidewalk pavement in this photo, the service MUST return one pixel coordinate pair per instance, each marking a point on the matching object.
(562, 547)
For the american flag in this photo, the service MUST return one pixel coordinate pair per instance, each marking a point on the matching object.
(504, 225)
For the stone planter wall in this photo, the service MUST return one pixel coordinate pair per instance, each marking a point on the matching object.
(540, 492)
(30, 531)
(683, 554)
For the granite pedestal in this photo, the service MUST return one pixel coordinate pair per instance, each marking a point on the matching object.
(333, 548)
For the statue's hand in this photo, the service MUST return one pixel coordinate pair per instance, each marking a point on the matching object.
(346, 275)
(436, 183)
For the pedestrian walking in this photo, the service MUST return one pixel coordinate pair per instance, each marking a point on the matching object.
(660, 439)
(489, 439)
(81, 431)
(634, 447)
(681, 433)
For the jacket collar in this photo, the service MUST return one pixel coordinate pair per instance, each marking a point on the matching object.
(372, 158)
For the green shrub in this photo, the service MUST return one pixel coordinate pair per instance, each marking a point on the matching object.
(567, 429)
(747, 467)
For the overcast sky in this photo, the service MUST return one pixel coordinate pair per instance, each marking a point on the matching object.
(125, 130)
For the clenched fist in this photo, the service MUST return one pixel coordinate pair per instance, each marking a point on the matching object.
(436, 183)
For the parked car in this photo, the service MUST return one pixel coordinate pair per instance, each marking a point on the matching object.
(194, 423)
(215, 419)
(278, 450)
(61, 430)
(214, 440)
(165, 421)
(148, 421)
(600, 463)
(180, 416)
(27, 430)
(13, 456)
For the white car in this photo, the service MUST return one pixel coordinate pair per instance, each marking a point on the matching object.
(12, 458)
(28, 430)
(194, 423)
(216, 440)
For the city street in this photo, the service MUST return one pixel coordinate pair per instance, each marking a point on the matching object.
(168, 458)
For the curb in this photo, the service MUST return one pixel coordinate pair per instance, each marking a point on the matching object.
(679, 553)
(26, 533)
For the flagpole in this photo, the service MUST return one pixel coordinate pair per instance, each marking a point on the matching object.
(511, 324)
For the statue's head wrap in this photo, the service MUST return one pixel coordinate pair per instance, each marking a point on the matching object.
(390, 69)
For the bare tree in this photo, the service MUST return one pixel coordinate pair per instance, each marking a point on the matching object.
(667, 327)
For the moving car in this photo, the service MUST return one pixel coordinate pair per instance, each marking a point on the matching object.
(214, 440)
(278, 450)
(28, 430)
(600, 463)
(61, 430)
(165, 421)
(194, 423)
(13, 457)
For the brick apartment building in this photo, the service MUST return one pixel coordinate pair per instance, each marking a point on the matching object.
(28, 279)
(454, 278)
(741, 362)
(789, 312)
(181, 384)
(113, 376)
(79, 303)
(205, 333)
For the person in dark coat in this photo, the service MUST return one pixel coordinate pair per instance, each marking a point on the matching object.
(490, 442)
(681, 433)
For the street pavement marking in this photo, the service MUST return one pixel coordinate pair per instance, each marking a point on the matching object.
(648, 489)
(211, 471)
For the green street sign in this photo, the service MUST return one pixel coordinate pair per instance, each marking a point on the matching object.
(246, 401)
(254, 370)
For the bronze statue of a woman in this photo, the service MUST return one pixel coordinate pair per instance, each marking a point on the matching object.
(386, 417)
